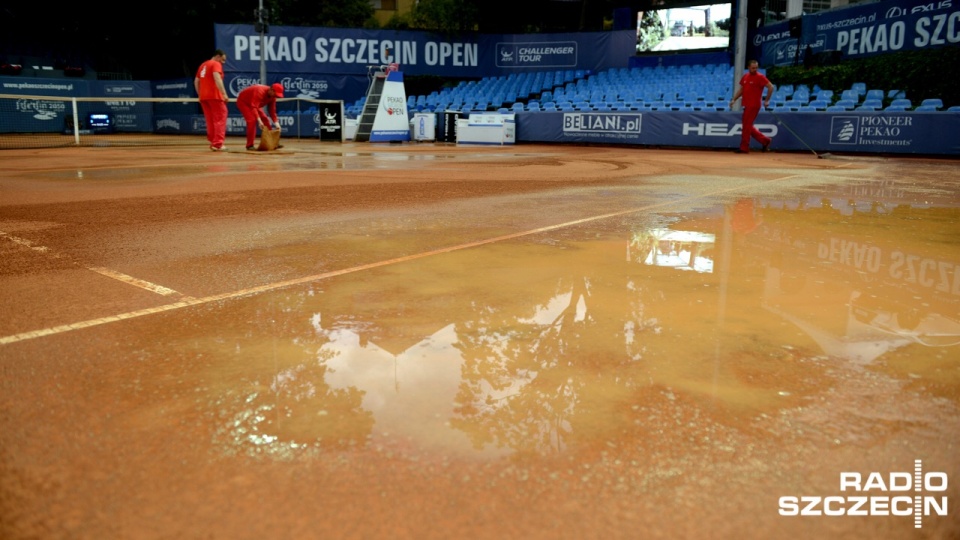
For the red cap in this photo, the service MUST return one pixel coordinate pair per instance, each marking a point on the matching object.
(277, 89)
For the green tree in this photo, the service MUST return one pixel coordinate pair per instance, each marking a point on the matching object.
(447, 16)
(339, 14)
(651, 32)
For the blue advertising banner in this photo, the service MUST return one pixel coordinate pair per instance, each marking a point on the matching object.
(173, 88)
(27, 114)
(305, 86)
(861, 31)
(878, 132)
(120, 89)
(38, 86)
(310, 124)
(350, 51)
(128, 114)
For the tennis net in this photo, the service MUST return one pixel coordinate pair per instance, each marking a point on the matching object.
(31, 121)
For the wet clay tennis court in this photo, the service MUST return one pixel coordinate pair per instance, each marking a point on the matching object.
(439, 341)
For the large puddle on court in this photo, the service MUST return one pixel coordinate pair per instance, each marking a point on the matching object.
(705, 361)
(597, 335)
(305, 159)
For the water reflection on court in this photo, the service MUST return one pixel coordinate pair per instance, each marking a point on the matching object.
(664, 362)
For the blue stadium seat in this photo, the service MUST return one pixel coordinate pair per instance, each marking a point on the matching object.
(823, 95)
(850, 95)
(954, 108)
(875, 94)
(927, 108)
(801, 96)
(901, 102)
(936, 103)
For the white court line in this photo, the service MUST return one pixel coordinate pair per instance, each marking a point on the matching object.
(130, 280)
(28, 244)
(187, 301)
(152, 287)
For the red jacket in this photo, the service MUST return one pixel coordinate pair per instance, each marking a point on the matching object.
(255, 97)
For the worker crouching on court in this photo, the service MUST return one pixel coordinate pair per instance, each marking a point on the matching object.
(251, 102)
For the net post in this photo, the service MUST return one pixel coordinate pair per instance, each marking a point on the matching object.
(76, 122)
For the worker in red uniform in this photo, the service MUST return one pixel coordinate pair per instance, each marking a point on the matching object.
(751, 88)
(251, 102)
(213, 98)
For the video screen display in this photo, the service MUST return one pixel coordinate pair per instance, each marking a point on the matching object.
(687, 28)
(99, 120)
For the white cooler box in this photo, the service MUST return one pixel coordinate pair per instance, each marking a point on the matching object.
(350, 126)
(487, 128)
(423, 127)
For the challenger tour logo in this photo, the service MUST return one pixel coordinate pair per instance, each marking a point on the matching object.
(552, 54)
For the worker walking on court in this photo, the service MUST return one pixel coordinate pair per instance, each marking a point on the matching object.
(213, 98)
(751, 88)
(251, 102)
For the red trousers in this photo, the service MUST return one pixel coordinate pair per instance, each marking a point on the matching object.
(251, 114)
(215, 113)
(747, 129)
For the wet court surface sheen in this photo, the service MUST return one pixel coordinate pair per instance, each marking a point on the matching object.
(678, 351)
